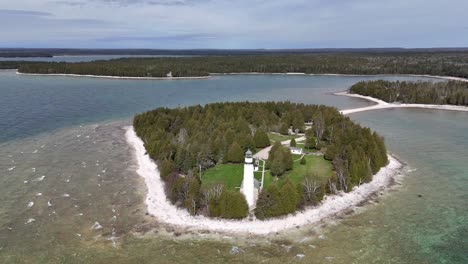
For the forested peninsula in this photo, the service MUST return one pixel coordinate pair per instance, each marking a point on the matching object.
(438, 93)
(432, 63)
(193, 145)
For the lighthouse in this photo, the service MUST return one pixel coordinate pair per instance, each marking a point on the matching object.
(248, 188)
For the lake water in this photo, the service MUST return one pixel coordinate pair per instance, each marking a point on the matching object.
(85, 58)
(69, 192)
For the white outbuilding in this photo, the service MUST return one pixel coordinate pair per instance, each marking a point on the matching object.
(296, 151)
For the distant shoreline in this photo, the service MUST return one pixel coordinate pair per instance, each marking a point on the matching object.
(113, 77)
(351, 75)
(385, 105)
(241, 73)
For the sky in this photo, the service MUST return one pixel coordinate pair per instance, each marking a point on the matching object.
(233, 24)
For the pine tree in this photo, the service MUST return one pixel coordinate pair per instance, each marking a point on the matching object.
(284, 129)
(235, 153)
(261, 139)
(268, 203)
(288, 161)
(233, 205)
(289, 198)
(293, 143)
(277, 167)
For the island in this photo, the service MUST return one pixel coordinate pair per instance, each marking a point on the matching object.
(257, 160)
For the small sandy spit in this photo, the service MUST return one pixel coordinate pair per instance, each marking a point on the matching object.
(384, 105)
(113, 77)
(159, 206)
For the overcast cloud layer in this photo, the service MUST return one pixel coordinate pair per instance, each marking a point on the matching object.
(233, 24)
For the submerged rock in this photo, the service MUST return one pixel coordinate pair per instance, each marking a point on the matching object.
(300, 256)
(96, 226)
(235, 250)
(30, 220)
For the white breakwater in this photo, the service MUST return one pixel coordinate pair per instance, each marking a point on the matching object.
(159, 206)
(384, 105)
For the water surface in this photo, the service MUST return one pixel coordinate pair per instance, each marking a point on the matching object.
(69, 133)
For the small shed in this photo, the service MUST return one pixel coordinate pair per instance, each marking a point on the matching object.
(297, 151)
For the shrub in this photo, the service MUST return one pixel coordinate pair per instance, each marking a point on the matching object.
(166, 167)
(303, 161)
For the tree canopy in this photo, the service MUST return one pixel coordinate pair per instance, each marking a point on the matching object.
(434, 63)
(183, 140)
(451, 92)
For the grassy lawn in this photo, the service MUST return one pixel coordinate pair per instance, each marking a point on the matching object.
(229, 174)
(276, 137)
(314, 164)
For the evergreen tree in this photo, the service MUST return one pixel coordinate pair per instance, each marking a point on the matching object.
(289, 198)
(284, 129)
(235, 154)
(293, 143)
(277, 167)
(268, 203)
(233, 205)
(261, 139)
(287, 158)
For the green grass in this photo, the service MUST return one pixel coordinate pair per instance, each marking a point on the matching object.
(229, 174)
(276, 137)
(314, 164)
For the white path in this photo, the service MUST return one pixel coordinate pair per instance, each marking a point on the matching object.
(263, 154)
(384, 105)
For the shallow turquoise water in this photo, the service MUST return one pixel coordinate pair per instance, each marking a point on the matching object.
(62, 128)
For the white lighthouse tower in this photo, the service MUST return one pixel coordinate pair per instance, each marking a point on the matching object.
(248, 188)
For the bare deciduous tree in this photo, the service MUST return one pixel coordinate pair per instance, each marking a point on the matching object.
(341, 172)
(213, 192)
(310, 187)
(318, 125)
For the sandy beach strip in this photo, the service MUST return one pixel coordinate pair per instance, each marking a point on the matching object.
(345, 75)
(245, 73)
(114, 77)
(161, 208)
(384, 105)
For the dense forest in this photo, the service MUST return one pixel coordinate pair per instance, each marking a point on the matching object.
(185, 140)
(451, 92)
(25, 55)
(443, 63)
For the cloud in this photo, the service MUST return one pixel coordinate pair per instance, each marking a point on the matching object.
(180, 37)
(125, 3)
(234, 24)
(9, 12)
